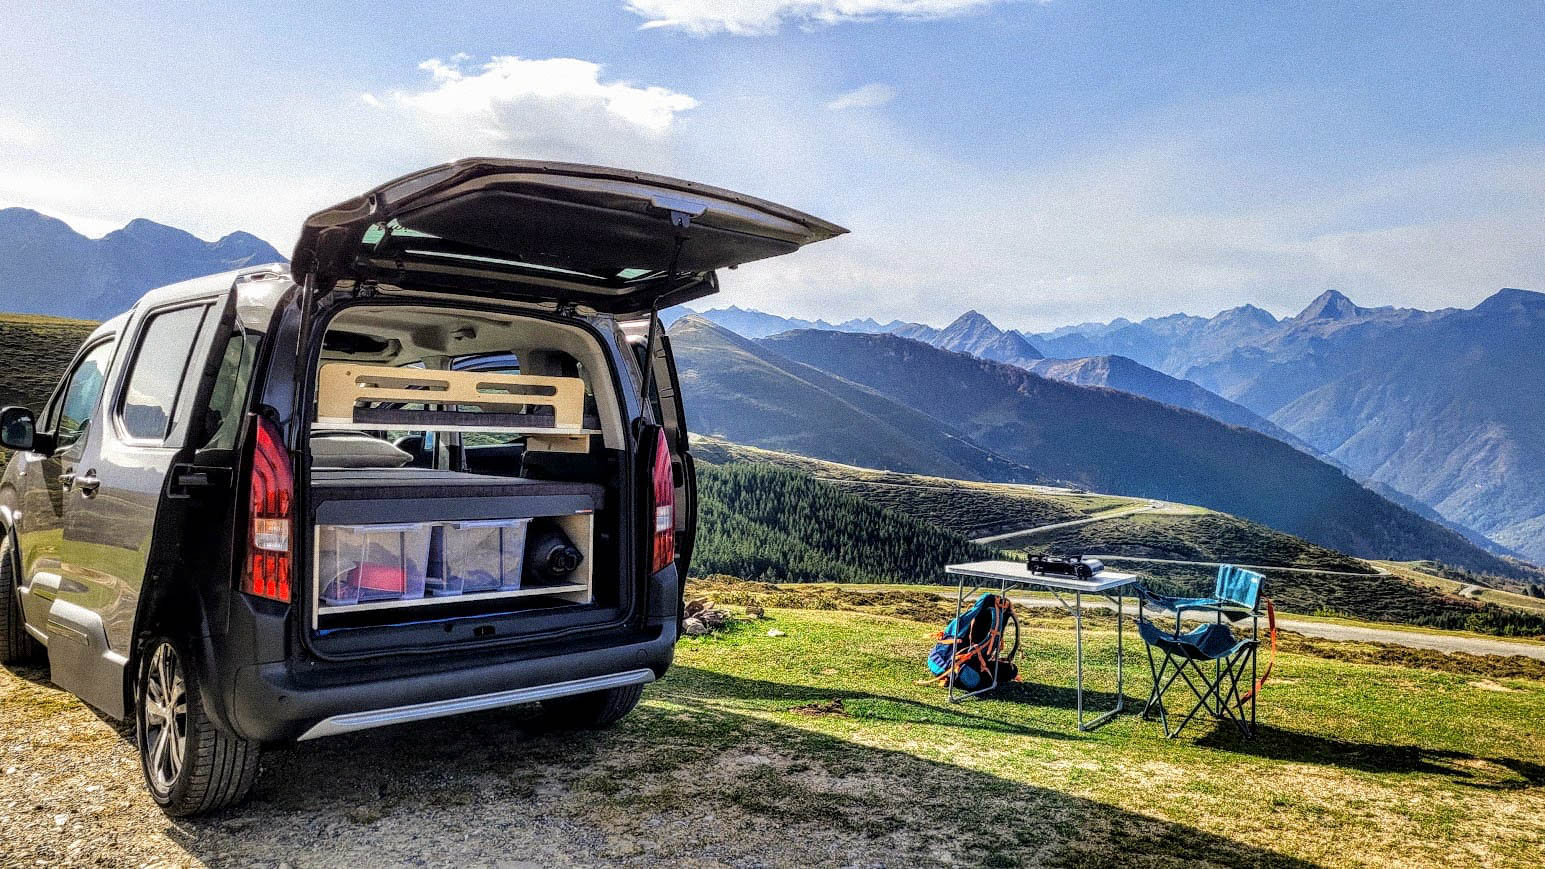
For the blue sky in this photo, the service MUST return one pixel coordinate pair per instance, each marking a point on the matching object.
(1042, 162)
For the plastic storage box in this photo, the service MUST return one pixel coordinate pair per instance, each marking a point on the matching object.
(367, 563)
(481, 555)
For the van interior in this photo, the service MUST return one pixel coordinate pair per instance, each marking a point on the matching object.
(465, 465)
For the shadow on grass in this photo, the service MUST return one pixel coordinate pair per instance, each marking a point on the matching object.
(869, 705)
(1274, 743)
(683, 777)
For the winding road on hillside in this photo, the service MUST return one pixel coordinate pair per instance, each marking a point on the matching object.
(1072, 523)
(1376, 570)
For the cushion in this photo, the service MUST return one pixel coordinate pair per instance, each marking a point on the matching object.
(355, 450)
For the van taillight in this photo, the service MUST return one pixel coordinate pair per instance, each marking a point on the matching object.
(664, 548)
(270, 521)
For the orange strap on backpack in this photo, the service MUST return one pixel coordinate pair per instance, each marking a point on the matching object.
(993, 641)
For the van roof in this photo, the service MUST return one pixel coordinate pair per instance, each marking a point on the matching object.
(258, 289)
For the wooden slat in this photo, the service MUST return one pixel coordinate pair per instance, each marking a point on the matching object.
(342, 385)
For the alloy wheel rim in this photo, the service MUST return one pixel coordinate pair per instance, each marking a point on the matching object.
(166, 717)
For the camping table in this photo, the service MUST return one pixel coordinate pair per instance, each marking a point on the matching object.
(1013, 573)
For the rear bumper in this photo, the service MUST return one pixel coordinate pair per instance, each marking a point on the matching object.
(352, 721)
(271, 704)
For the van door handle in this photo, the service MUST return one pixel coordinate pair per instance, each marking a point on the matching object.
(67, 479)
(88, 484)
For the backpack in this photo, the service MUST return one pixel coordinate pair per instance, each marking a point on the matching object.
(970, 644)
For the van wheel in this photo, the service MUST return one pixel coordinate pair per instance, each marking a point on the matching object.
(590, 711)
(16, 645)
(190, 765)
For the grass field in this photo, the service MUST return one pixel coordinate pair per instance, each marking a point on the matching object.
(822, 747)
(1356, 763)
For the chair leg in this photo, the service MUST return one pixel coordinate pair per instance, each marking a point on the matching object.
(1153, 691)
(1201, 695)
(1160, 685)
(1226, 693)
(1243, 720)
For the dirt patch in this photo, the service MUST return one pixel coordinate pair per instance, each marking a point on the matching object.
(661, 788)
(1489, 685)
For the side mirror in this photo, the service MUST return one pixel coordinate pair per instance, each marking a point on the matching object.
(18, 429)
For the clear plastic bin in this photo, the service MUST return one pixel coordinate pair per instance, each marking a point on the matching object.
(483, 555)
(367, 563)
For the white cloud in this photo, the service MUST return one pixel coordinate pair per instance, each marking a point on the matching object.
(868, 96)
(556, 107)
(763, 17)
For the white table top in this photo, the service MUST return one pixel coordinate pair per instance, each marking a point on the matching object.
(1015, 572)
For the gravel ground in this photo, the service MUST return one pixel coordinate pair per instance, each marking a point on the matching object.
(475, 790)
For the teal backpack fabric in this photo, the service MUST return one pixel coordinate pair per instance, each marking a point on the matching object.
(970, 644)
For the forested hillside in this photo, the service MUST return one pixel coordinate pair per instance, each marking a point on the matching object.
(766, 516)
(762, 522)
(34, 351)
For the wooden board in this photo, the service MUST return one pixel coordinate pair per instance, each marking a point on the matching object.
(342, 385)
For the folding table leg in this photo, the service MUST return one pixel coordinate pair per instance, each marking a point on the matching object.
(1078, 642)
(960, 596)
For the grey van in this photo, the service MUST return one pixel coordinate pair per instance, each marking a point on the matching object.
(436, 464)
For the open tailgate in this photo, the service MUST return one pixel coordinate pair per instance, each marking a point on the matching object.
(614, 240)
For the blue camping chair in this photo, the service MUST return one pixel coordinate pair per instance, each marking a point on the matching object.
(1184, 653)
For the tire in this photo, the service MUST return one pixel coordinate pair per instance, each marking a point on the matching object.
(190, 765)
(16, 645)
(591, 711)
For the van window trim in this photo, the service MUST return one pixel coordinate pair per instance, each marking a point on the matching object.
(50, 421)
(121, 388)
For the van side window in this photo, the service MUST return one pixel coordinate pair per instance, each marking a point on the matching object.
(155, 377)
(81, 394)
(227, 402)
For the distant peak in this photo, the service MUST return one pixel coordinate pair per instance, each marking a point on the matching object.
(145, 224)
(1512, 297)
(1330, 305)
(972, 317)
(26, 217)
(1248, 313)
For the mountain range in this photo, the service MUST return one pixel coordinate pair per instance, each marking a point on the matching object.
(736, 389)
(818, 392)
(1445, 406)
(48, 268)
(1442, 411)
(756, 324)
